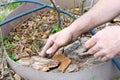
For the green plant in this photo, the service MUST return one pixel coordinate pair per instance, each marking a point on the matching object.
(8, 38)
(16, 38)
(17, 62)
(0, 38)
(117, 78)
(55, 29)
(13, 57)
(94, 77)
(7, 43)
(6, 10)
(13, 6)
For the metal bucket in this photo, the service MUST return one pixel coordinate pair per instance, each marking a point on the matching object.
(106, 71)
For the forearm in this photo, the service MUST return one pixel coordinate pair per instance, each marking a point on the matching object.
(103, 11)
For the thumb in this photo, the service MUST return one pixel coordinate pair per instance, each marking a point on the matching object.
(53, 49)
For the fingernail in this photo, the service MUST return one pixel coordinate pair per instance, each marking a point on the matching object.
(104, 59)
(89, 52)
(48, 51)
(95, 56)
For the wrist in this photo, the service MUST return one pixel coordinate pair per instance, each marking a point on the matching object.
(72, 31)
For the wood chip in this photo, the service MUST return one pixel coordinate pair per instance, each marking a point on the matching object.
(17, 77)
(65, 61)
(44, 64)
(45, 69)
(23, 55)
(1, 66)
(84, 54)
(26, 58)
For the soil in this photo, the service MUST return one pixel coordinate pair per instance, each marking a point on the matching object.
(26, 41)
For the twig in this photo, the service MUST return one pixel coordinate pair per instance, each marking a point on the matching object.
(82, 6)
(57, 8)
(92, 2)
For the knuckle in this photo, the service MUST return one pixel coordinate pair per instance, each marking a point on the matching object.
(50, 37)
(95, 38)
(58, 44)
(100, 46)
(110, 56)
(91, 50)
(104, 52)
(95, 55)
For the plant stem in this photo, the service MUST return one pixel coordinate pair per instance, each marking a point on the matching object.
(58, 12)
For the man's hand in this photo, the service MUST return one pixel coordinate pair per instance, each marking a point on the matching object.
(105, 44)
(56, 41)
(94, 17)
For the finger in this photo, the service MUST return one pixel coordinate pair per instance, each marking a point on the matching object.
(48, 44)
(105, 58)
(108, 57)
(53, 49)
(94, 49)
(91, 42)
(99, 54)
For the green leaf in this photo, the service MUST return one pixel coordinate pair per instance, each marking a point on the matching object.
(11, 46)
(94, 77)
(7, 10)
(117, 79)
(17, 62)
(16, 38)
(55, 29)
(8, 44)
(8, 38)
(13, 56)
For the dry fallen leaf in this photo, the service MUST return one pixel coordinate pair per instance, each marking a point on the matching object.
(44, 36)
(28, 50)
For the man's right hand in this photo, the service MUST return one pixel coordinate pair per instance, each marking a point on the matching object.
(57, 41)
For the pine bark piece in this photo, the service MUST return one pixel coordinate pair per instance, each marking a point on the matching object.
(65, 61)
(44, 64)
(37, 66)
(25, 61)
(45, 69)
(84, 54)
(72, 68)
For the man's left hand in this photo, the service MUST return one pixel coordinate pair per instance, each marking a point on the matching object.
(105, 44)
